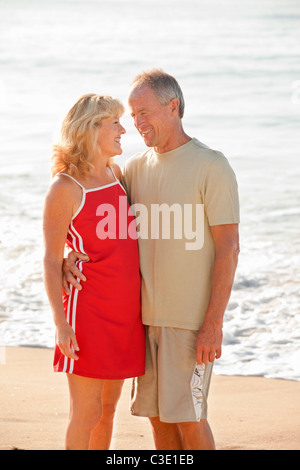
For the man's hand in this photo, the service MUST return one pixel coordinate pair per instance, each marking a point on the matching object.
(209, 342)
(71, 272)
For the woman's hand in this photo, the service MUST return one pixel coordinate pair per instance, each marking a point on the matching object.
(66, 340)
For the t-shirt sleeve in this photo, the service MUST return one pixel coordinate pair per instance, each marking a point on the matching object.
(221, 199)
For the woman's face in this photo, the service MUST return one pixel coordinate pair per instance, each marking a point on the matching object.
(109, 137)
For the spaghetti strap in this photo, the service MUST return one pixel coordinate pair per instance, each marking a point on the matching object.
(66, 174)
(113, 174)
(118, 181)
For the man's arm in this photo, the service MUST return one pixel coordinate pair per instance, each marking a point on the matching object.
(70, 272)
(209, 340)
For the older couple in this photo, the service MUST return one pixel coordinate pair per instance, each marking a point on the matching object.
(103, 332)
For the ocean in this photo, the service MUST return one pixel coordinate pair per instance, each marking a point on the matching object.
(238, 63)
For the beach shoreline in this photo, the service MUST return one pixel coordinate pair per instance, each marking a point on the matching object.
(245, 413)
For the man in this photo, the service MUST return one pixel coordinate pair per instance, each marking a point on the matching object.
(185, 288)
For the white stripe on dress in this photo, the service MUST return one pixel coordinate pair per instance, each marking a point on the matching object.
(68, 320)
(71, 316)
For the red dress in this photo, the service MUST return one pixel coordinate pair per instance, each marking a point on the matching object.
(106, 313)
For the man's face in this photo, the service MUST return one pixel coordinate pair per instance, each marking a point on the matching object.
(153, 120)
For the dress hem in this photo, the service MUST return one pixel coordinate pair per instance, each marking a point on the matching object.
(90, 376)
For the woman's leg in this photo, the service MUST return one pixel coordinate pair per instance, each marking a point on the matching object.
(85, 410)
(102, 433)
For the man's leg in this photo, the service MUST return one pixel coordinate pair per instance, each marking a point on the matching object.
(182, 394)
(182, 436)
(197, 436)
(167, 436)
(174, 391)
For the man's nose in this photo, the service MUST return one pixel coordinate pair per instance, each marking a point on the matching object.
(138, 121)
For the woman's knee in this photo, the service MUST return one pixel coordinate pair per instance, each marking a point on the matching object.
(108, 410)
(88, 417)
(110, 398)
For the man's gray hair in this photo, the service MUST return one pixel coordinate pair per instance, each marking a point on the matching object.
(163, 85)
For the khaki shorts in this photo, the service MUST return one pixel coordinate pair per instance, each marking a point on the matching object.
(174, 387)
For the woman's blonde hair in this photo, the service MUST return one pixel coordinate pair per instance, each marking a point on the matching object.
(78, 141)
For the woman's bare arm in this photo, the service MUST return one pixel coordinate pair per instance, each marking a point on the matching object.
(59, 205)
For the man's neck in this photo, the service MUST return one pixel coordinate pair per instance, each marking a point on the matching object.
(173, 143)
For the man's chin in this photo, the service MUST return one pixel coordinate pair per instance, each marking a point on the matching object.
(148, 142)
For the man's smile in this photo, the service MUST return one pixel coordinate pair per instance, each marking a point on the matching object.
(147, 132)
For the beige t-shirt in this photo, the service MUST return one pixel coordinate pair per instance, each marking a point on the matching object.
(176, 248)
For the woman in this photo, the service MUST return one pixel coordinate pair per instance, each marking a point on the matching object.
(99, 334)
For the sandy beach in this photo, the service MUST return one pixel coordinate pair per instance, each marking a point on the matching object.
(245, 413)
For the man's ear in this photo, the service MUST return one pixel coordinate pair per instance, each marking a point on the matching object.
(174, 106)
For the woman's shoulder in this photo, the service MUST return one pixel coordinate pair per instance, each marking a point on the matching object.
(61, 186)
(62, 199)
